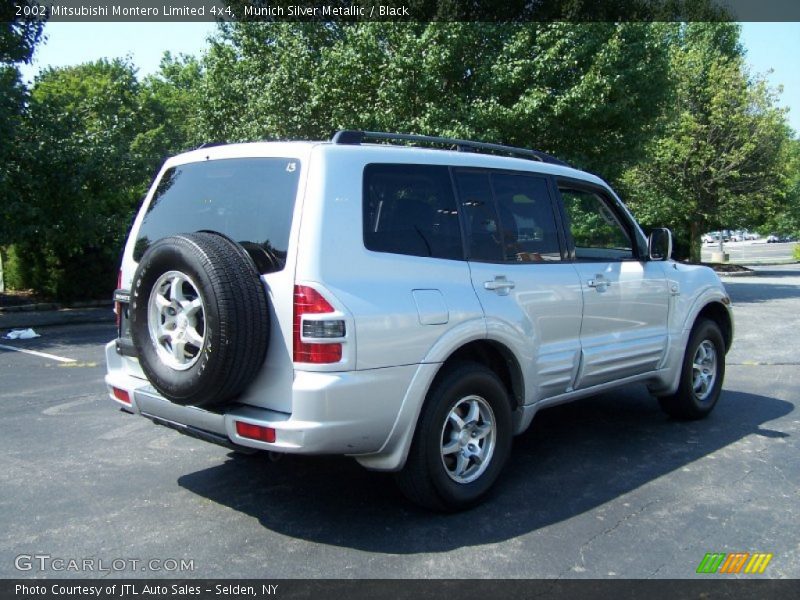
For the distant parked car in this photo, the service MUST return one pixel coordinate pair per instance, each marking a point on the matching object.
(773, 239)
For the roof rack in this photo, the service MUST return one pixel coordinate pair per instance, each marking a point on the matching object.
(355, 137)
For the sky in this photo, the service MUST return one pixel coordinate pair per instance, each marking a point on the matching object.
(776, 47)
(772, 49)
(74, 43)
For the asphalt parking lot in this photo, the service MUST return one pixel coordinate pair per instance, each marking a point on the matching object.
(752, 252)
(608, 487)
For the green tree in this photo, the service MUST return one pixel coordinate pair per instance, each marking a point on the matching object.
(83, 179)
(786, 221)
(587, 92)
(18, 39)
(718, 162)
(17, 42)
(172, 97)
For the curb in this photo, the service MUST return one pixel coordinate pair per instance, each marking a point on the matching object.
(43, 306)
(47, 318)
(738, 274)
(769, 263)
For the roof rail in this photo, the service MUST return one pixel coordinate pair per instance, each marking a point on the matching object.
(209, 145)
(355, 137)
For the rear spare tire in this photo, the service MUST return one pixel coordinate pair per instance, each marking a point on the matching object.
(199, 318)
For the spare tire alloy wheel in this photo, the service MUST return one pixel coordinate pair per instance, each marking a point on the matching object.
(199, 318)
(177, 318)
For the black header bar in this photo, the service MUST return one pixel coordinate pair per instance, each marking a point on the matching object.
(400, 10)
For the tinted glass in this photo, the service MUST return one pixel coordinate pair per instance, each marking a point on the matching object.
(483, 229)
(526, 218)
(596, 230)
(250, 200)
(410, 209)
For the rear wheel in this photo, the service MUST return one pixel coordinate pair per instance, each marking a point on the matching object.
(462, 440)
(701, 376)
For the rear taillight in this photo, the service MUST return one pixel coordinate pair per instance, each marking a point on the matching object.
(308, 301)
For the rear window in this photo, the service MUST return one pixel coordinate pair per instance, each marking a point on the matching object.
(250, 200)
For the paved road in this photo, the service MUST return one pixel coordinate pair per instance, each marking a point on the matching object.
(607, 487)
(751, 252)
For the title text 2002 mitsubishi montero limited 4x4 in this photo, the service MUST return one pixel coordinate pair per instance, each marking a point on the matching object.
(409, 301)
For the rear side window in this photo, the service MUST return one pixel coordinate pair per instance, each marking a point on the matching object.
(250, 200)
(526, 215)
(483, 223)
(410, 209)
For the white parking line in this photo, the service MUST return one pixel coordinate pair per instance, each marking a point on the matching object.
(39, 354)
(58, 408)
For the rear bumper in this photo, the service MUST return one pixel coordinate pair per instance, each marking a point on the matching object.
(348, 413)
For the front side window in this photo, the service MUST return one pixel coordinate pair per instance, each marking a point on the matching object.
(596, 230)
(410, 209)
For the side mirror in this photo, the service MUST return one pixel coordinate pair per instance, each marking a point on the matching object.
(659, 244)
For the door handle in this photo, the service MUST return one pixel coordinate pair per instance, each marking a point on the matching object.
(599, 283)
(499, 284)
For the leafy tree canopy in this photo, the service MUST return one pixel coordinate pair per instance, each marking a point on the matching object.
(570, 89)
(717, 163)
(83, 174)
(18, 37)
(665, 111)
(17, 42)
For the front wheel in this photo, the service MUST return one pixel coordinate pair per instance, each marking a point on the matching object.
(462, 440)
(701, 376)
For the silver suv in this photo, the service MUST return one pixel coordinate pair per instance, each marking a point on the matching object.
(410, 302)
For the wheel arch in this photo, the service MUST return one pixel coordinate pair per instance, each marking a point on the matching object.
(495, 356)
(720, 314)
(449, 465)
(715, 309)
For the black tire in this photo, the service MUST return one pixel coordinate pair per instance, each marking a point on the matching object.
(429, 475)
(696, 397)
(232, 318)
